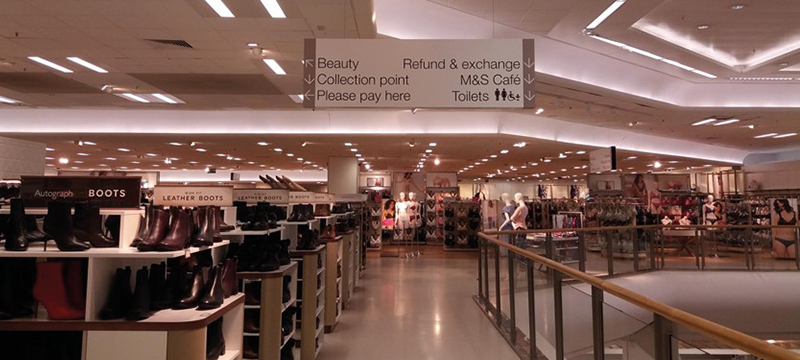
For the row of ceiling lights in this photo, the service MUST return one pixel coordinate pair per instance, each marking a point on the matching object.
(273, 8)
(721, 122)
(359, 156)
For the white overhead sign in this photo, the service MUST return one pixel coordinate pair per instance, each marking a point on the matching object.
(385, 73)
(603, 160)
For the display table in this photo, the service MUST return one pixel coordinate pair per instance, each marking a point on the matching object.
(271, 308)
(310, 336)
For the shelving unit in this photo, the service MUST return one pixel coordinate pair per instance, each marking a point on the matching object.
(372, 225)
(271, 308)
(333, 305)
(464, 238)
(312, 304)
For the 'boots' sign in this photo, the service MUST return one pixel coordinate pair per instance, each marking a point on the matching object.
(108, 192)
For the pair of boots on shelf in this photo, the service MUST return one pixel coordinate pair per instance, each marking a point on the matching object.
(156, 290)
(341, 208)
(17, 278)
(307, 239)
(263, 216)
(215, 340)
(252, 296)
(329, 233)
(322, 210)
(263, 253)
(281, 182)
(301, 212)
(177, 228)
(71, 233)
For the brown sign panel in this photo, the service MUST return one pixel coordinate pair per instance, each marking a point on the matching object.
(109, 192)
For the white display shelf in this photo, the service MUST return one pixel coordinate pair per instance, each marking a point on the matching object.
(295, 223)
(43, 211)
(325, 217)
(240, 232)
(290, 336)
(289, 304)
(230, 355)
(36, 250)
(319, 311)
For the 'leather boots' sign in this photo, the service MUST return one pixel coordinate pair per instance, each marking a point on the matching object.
(108, 192)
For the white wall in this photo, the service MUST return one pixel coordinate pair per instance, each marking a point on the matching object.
(18, 157)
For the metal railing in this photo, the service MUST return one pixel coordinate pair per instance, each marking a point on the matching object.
(668, 327)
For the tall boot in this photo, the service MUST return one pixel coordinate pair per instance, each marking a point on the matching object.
(215, 342)
(15, 230)
(214, 294)
(51, 292)
(32, 232)
(205, 236)
(144, 226)
(17, 277)
(223, 227)
(283, 252)
(269, 256)
(241, 211)
(229, 284)
(158, 287)
(58, 225)
(178, 274)
(76, 286)
(215, 229)
(179, 232)
(252, 321)
(113, 307)
(113, 224)
(287, 293)
(158, 230)
(140, 304)
(88, 225)
(191, 296)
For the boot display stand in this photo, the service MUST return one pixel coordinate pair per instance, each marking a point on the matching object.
(350, 257)
(310, 320)
(269, 342)
(169, 334)
(333, 282)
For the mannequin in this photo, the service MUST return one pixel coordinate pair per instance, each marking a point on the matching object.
(708, 211)
(520, 213)
(401, 216)
(508, 210)
(413, 210)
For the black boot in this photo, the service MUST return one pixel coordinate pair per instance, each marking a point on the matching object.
(15, 229)
(205, 237)
(140, 305)
(113, 307)
(287, 320)
(33, 234)
(178, 274)
(144, 226)
(158, 284)
(191, 296)
(214, 294)
(268, 259)
(215, 342)
(88, 225)
(283, 253)
(58, 225)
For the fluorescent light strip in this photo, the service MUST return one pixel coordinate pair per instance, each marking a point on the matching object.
(761, 78)
(274, 66)
(726, 122)
(50, 64)
(605, 14)
(784, 135)
(274, 9)
(164, 98)
(87, 64)
(765, 135)
(652, 56)
(6, 100)
(701, 122)
(220, 8)
(135, 98)
(297, 98)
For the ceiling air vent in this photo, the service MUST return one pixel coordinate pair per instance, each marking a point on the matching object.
(180, 43)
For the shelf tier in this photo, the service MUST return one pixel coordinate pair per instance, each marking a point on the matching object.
(36, 250)
(300, 253)
(240, 232)
(255, 275)
(163, 320)
(296, 223)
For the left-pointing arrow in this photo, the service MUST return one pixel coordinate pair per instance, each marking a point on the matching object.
(308, 95)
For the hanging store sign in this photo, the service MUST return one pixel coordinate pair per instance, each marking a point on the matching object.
(108, 192)
(603, 160)
(350, 197)
(252, 196)
(193, 196)
(383, 73)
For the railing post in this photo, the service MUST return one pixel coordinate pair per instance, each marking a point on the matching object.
(651, 240)
(498, 305)
(610, 252)
(663, 338)
(486, 269)
(635, 239)
(558, 305)
(751, 249)
(512, 314)
(703, 251)
(480, 268)
(697, 248)
(797, 247)
(598, 339)
(549, 251)
(581, 252)
(531, 310)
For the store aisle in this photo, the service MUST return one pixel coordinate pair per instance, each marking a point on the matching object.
(416, 309)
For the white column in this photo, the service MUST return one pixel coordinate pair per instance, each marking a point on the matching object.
(342, 175)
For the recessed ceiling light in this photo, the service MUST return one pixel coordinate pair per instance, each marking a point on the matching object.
(520, 144)
(89, 143)
(63, 160)
(477, 163)
(428, 151)
(252, 44)
(164, 98)
(534, 164)
(765, 135)
(200, 150)
(135, 162)
(605, 14)
(539, 111)
(151, 154)
(504, 151)
(703, 27)
(738, 6)
(135, 98)
(261, 143)
(111, 158)
(436, 161)
(6, 100)
(358, 155)
(547, 160)
(771, 341)
(276, 68)
(726, 122)
(274, 9)
(703, 122)
(353, 150)
(580, 152)
(484, 160)
(78, 162)
(278, 149)
(433, 144)
(176, 144)
(631, 157)
(124, 149)
(784, 135)
(493, 156)
(657, 164)
(299, 159)
(361, 159)
(82, 154)
(220, 8)
(290, 155)
(251, 162)
(50, 64)
(673, 162)
(49, 158)
(87, 64)
(751, 126)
